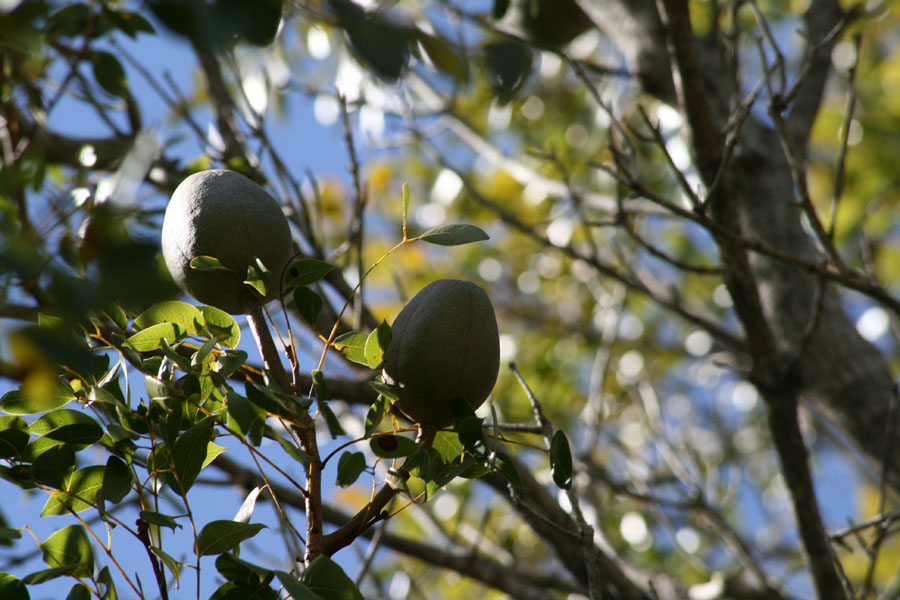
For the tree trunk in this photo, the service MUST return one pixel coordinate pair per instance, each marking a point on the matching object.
(844, 378)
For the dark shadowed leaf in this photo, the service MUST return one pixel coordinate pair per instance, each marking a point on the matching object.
(308, 303)
(52, 468)
(509, 65)
(350, 467)
(561, 460)
(116, 480)
(109, 74)
(306, 271)
(507, 469)
(500, 8)
(159, 519)
(189, 454)
(14, 436)
(377, 43)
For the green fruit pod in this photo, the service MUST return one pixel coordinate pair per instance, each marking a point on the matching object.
(225, 215)
(444, 344)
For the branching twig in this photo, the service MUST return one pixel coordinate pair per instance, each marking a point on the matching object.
(372, 512)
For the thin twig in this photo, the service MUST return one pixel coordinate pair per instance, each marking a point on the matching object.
(596, 578)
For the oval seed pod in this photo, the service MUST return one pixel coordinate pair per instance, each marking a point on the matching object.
(444, 344)
(228, 216)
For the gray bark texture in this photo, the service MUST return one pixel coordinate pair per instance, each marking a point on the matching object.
(817, 348)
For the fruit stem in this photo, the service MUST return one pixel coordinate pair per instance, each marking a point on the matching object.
(265, 343)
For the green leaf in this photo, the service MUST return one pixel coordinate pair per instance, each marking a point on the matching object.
(296, 588)
(109, 74)
(81, 492)
(69, 547)
(69, 21)
(208, 263)
(171, 564)
(306, 271)
(29, 402)
(240, 571)
(221, 326)
(244, 418)
(49, 574)
(326, 579)
(266, 399)
(169, 352)
(447, 444)
(561, 460)
(128, 22)
(117, 316)
(352, 344)
(221, 536)
(376, 343)
(392, 446)
(230, 361)
(159, 519)
(8, 535)
(390, 392)
(444, 56)
(334, 426)
(350, 467)
(257, 276)
(186, 315)
(79, 591)
(70, 426)
(309, 305)
(156, 389)
(212, 451)
(454, 235)
(106, 581)
(189, 454)
(14, 436)
(117, 480)
(375, 415)
(152, 337)
(292, 450)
